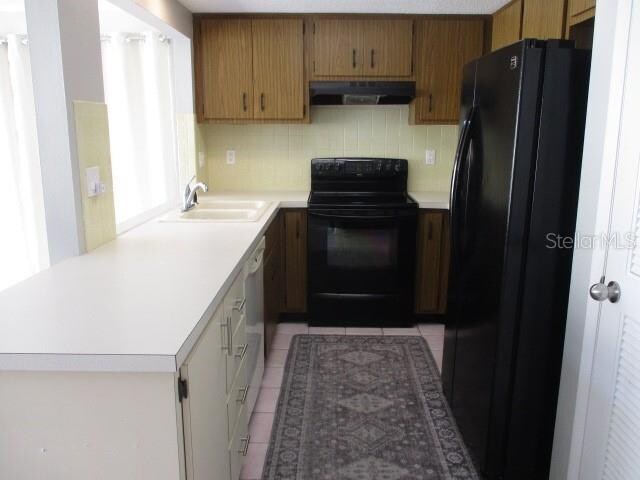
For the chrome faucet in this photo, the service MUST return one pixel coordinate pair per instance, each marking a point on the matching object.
(190, 194)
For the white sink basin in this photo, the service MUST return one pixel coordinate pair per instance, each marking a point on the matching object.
(211, 204)
(220, 211)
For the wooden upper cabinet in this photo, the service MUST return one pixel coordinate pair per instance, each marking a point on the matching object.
(443, 47)
(362, 47)
(579, 11)
(278, 68)
(226, 69)
(387, 48)
(507, 25)
(576, 7)
(337, 47)
(543, 19)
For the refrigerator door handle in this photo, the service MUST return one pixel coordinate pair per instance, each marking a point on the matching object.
(462, 153)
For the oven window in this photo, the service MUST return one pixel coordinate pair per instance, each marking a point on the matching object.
(362, 247)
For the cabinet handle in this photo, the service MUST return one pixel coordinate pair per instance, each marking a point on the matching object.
(244, 391)
(353, 58)
(430, 102)
(262, 102)
(245, 449)
(297, 230)
(239, 304)
(241, 350)
(244, 101)
(429, 230)
(372, 54)
(229, 334)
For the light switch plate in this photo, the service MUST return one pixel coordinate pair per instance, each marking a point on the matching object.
(201, 159)
(94, 185)
(231, 157)
(430, 157)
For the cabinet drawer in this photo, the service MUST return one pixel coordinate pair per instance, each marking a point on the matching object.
(237, 399)
(234, 303)
(239, 350)
(239, 444)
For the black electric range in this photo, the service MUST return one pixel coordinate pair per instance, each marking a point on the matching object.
(361, 243)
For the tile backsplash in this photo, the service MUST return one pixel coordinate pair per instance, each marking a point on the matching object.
(92, 137)
(277, 157)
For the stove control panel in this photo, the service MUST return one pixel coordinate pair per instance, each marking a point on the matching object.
(359, 167)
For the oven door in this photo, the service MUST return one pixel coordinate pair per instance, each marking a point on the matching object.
(361, 261)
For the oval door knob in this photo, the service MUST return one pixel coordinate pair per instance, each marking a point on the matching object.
(601, 292)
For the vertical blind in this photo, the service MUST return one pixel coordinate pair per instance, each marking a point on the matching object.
(138, 85)
(23, 242)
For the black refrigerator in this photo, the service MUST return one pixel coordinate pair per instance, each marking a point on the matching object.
(514, 197)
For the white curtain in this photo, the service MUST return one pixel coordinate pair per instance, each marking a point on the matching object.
(23, 242)
(139, 95)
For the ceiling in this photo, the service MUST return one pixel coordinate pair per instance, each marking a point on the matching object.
(346, 6)
(115, 19)
(112, 18)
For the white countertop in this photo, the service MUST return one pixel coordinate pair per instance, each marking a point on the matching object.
(140, 302)
(432, 200)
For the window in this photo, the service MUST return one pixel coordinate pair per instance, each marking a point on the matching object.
(23, 241)
(138, 83)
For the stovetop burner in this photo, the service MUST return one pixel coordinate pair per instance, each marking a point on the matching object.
(359, 183)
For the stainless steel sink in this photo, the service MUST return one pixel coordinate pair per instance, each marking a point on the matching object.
(221, 211)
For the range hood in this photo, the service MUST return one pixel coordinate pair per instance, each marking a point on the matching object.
(362, 93)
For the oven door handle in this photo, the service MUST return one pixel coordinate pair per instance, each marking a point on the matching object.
(356, 217)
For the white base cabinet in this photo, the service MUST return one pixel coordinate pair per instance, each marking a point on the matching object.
(215, 388)
(191, 425)
(204, 408)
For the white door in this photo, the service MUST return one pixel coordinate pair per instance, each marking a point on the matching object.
(204, 408)
(611, 448)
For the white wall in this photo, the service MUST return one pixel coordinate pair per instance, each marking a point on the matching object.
(607, 74)
(64, 44)
(64, 40)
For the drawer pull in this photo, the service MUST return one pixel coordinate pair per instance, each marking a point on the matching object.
(241, 350)
(228, 347)
(244, 445)
(244, 391)
(239, 304)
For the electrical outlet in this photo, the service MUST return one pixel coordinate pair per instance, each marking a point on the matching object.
(430, 157)
(95, 186)
(231, 157)
(201, 159)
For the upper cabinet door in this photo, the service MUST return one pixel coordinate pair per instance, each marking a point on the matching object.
(507, 25)
(337, 48)
(225, 52)
(388, 48)
(278, 68)
(443, 47)
(543, 19)
(576, 7)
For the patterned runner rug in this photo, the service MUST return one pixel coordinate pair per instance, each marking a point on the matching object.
(363, 408)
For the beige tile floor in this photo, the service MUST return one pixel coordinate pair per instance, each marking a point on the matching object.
(264, 411)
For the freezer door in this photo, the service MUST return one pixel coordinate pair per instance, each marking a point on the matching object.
(489, 218)
(547, 271)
